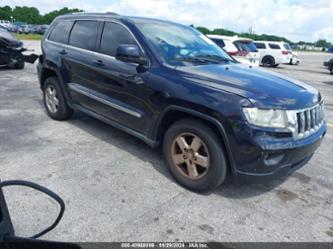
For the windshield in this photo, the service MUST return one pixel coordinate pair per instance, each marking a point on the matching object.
(179, 45)
(247, 46)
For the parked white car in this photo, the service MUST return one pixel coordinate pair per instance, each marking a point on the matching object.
(5, 24)
(241, 49)
(273, 53)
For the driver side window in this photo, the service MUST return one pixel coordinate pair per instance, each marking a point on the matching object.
(114, 35)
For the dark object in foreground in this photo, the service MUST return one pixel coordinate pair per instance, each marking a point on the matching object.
(9, 240)
(11, 51)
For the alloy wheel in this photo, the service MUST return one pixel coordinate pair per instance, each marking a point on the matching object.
(51, 99)
(190, 156)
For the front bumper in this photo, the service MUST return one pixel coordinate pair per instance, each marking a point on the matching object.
(264, 159)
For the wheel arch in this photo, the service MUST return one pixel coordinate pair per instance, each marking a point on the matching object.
(47, 72)
(174, 113)
(268, 56)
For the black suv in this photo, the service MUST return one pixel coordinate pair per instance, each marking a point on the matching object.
(168, 84)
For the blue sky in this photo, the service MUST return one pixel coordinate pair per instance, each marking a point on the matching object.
(296, 19)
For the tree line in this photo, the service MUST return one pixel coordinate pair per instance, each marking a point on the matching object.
(31, 15)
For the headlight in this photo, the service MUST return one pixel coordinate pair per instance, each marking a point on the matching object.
(266, 118)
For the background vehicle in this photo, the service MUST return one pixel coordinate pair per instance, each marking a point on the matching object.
(5, 24)
(242, 49)
(273, 53)
(10, 51)
(170, 85)
(329, 65)
(295, 60)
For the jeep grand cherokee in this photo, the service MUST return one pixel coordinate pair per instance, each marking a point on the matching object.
(169, 85)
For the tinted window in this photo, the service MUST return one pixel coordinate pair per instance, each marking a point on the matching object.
(113, 36)
(84, 34)
(260, 45)
(274, 46)
(247, 46)
(287, 46)
(219, 42)
(61, 31)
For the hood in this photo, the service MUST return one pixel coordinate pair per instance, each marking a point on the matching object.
(263, 88)
(8, 40)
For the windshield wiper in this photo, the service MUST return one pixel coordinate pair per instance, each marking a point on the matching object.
(193, 59)
(214, 58)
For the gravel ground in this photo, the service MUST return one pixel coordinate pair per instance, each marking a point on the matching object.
(116, 188)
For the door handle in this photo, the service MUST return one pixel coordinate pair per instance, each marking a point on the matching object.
(63, 52)
(132, 79)
(99, 63)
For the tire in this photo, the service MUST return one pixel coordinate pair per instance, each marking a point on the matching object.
(209, 177)
(20, 63)
(55, 104)
(331, 69)
(268, 61)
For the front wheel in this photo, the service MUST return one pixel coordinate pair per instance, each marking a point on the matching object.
(194, 155)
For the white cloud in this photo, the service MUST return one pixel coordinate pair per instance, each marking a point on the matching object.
(296, 19)
(304, 20)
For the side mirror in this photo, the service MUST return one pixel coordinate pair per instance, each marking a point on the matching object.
(7, 231)
(130, 53)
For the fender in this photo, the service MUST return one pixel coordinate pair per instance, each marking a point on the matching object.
(45, 66)
(206, 117)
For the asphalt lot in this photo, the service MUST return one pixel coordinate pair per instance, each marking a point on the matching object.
(116, 188)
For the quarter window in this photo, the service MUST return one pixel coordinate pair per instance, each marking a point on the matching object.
(60, 33)
(219, 42)
(260, 45)
(274, 46)
(84, 34)
(114, 35)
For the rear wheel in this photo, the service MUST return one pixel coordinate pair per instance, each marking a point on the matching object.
(268, 61)
(194, 155)
(54, 100)
(331, 69)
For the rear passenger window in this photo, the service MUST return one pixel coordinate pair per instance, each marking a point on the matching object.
(84, 34)
(274, 46)
(219, 42)
(60, 32)
(260, 45)
(114, 35)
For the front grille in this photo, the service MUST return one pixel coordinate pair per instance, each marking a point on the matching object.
(309, 120)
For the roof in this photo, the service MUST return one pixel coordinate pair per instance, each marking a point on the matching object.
(272, 42)
(229, 38)
(134, 19)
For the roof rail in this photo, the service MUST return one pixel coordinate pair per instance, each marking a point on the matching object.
(93, 13)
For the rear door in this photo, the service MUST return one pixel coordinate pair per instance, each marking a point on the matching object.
(81, 61)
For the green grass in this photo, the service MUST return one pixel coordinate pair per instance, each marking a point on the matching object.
(34, 37)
